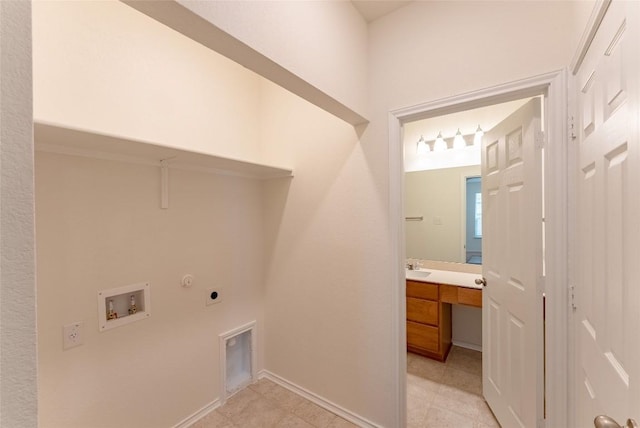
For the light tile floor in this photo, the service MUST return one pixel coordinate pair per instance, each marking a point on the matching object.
(439, 395)
(447, 394)
(266, 404)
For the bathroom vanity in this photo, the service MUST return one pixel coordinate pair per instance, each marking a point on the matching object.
(430, 294)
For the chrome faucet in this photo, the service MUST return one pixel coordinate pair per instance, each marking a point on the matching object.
(411, 266)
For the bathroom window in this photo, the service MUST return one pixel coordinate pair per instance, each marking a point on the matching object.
(478, 216)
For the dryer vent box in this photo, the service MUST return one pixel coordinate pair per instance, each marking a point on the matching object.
(238, 359)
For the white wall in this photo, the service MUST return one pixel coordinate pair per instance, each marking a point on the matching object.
(104, 67)
(323, 42)
(99, 226)
(430, 50)
(96, 69)
(18, 385)
(327, 328)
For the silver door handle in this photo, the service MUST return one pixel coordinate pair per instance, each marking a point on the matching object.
(481, 281)
(604, 421)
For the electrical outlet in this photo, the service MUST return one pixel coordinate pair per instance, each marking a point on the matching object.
(72, 335)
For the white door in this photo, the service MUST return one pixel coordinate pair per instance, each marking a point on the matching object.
(512, 266)
(606, 325)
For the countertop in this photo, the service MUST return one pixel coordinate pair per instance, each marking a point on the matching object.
(459, 279)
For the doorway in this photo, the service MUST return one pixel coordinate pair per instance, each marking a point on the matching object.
(552, 87)
(512, 169)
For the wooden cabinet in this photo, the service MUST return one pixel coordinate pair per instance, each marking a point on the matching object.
(429, 315)
(461, 295)
(428, 320)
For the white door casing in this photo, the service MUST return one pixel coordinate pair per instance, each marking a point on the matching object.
(512, 266)
(553, 85)
(605, 324)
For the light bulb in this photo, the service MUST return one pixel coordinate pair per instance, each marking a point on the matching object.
(458, 141)
(440, 145)
(477, 138)
(422, 146)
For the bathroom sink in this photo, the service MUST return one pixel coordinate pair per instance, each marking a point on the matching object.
(416, 274)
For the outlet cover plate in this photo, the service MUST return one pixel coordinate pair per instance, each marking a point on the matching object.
(72, 335)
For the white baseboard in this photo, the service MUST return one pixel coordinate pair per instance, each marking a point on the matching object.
(316, 399)
(468, 345)
(195, 417)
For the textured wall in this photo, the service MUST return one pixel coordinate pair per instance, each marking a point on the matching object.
(18, 386)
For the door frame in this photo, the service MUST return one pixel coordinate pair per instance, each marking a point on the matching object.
(554, 86)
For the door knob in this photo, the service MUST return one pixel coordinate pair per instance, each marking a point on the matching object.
(481, 281)
(604, 421)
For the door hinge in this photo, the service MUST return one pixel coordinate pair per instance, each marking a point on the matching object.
(572, 128)
(540, 139)
(572, 297)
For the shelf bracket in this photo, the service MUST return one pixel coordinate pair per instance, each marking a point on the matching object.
(164, 184)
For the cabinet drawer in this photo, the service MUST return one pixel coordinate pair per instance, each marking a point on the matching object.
(461, 295)
(422, 336)
(424, 311)
(448, 293)
(470, 296)
(422, 290)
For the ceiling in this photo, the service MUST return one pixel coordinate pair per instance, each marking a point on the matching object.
(374, 9)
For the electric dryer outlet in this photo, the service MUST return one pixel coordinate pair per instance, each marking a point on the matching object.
(214, 295)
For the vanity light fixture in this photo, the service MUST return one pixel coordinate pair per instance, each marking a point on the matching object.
(422, 146)
(477, 138)
(439, 145)
(458, 141)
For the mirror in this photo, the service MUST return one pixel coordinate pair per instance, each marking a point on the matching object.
(440, 154)
(443, 211)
